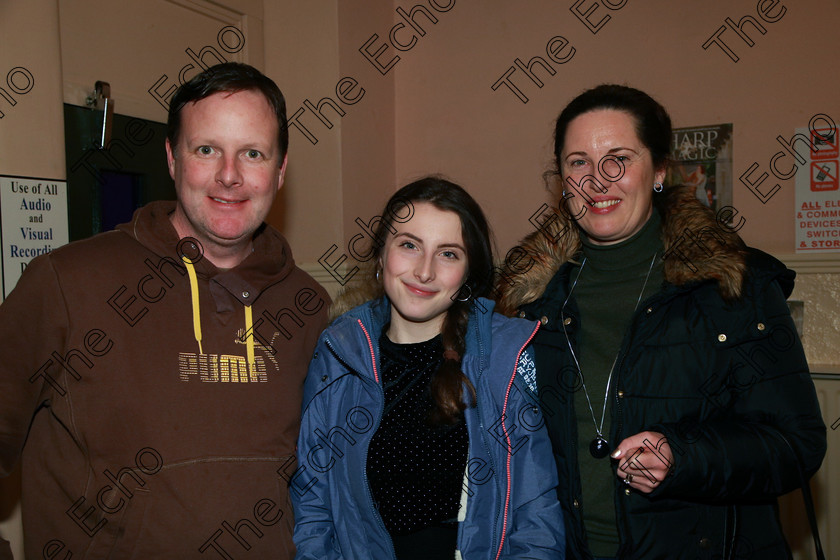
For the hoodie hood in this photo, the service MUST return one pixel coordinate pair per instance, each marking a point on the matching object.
(269, 263)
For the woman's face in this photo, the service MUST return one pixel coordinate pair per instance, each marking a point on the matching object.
(424, 264)
(618, 210)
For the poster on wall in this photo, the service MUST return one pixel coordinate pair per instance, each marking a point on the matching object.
(701, 156)
(817, 193)
(33, 221)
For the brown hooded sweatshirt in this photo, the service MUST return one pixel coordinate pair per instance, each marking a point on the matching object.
(155, 402)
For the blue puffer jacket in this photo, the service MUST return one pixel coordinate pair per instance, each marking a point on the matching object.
(512, 509)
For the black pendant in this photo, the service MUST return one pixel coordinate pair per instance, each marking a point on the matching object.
(599, 447)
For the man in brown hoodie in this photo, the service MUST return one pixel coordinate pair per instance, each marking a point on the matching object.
(151, 377)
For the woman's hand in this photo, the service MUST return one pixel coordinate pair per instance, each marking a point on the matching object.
(644, 460)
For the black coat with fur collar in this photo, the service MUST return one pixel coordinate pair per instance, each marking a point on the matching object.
(712, 361)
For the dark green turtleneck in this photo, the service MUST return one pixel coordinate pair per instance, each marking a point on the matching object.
(607, 293)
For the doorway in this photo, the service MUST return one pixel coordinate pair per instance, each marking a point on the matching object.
(106, 185)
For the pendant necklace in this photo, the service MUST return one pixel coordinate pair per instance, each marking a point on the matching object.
(599, 447)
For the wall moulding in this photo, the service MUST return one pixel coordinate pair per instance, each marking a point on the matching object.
(139, 47)
(245, 15)
(828, 263)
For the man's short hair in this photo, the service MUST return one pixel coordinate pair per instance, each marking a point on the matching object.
(228, 77)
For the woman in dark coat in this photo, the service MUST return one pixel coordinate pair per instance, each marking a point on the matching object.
(674, 386)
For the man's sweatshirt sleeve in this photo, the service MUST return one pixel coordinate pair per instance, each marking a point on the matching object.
(33, 325)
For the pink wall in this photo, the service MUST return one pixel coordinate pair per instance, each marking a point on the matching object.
(448, 119)
(368, 140)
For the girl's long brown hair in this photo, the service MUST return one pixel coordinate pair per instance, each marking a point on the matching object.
(449, 381)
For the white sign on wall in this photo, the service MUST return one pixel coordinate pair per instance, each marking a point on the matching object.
(33, 221)
(817, 193)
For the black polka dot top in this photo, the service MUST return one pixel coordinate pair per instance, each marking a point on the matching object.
(415, 470)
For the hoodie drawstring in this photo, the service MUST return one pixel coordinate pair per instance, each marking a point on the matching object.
(249, 341)
(196, 314)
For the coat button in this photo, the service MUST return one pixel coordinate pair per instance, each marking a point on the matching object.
(246, 294)
(324, 378)
(721, 338)
(704, 543)
(626, 491)
(576, 503)
(567, 321)
(760, 326)
(544, 320)
(621, 394)
(521, 314)
(649, 310)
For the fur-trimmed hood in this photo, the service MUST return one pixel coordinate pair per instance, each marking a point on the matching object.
(698, 246)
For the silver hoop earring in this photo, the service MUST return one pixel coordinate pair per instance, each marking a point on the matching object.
(377, 274)
(658, 187)
(469, 293)
(564, 194)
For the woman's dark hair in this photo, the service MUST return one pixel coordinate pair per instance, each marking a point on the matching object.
(448, 382)
(229, 77)
(653, 125)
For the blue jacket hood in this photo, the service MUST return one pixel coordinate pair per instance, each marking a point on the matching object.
(344, 338)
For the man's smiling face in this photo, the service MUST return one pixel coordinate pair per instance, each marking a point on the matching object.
(227, 170)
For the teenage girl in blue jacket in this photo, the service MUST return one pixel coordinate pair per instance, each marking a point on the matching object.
(421, 436)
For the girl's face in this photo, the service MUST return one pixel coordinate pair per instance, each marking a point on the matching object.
(626, 173)
(424, 264)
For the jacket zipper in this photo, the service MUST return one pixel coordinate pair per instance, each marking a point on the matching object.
(376, 427)
(625, 344)
(367, 444)
(507, 440)
(573, 482)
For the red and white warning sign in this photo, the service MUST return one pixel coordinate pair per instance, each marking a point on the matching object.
(825, 141)
(824, 175)
(817, 195)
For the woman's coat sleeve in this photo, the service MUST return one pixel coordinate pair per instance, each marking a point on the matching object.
(769, 417)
